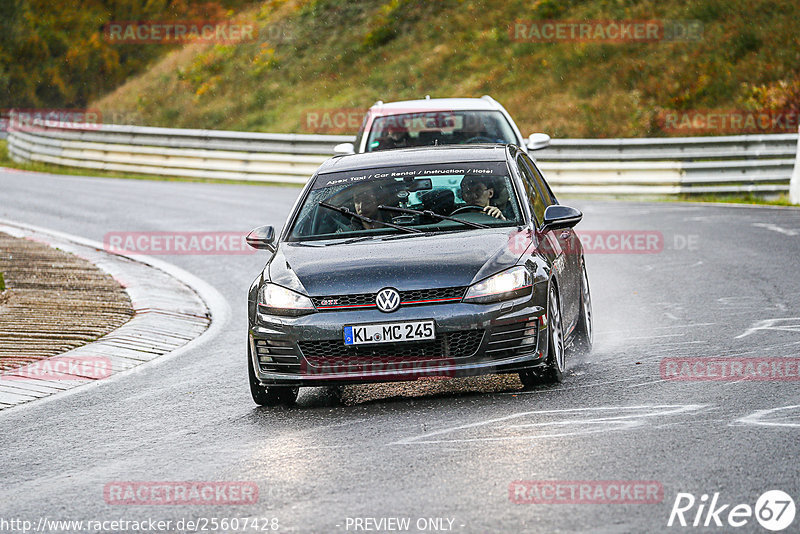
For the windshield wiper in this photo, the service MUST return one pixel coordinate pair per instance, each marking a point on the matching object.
(345, 211)
(354, 240)
(430, 213)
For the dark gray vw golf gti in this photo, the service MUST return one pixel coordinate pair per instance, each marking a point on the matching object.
(419, 262)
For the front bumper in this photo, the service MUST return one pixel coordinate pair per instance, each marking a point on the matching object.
(471, 339)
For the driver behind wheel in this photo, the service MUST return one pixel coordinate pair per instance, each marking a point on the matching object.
(397, 136)
(478, 191)
(478, 129)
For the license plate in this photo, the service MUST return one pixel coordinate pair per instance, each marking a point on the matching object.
(389, 332)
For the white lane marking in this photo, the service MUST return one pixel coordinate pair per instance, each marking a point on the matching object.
(686, 325)
(776, 228)
(738, 300)
(569, 388)
(620, 422)
(668, 346)
(651, 337)
(646, 383)
(766, 417)
(771, 349)
(581, 421)
(773, 324)
(703, 422)
(729, 383)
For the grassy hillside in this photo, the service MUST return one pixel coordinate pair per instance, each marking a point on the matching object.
(54, 54)
(323, 54)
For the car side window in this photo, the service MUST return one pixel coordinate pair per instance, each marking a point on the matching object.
(534, 198)
(547, 195)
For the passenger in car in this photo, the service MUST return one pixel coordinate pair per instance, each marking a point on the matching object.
(501, 196)
(396, 137)
(478, 191)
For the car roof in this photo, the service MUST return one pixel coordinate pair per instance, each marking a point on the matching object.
(434, 104)
(415, 156)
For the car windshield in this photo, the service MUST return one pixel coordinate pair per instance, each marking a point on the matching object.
(394, 200)
(439, 128)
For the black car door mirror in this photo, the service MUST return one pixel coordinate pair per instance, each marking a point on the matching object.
(262, 238)
(558, 216)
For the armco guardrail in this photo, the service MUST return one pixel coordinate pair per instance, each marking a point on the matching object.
(3, 125)
(794, 186)
(733, 164)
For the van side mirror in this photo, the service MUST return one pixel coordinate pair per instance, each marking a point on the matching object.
(344, 148)
(538, 141)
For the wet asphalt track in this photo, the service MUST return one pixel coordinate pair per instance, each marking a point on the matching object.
(433, 449)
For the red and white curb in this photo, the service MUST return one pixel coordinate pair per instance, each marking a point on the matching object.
(174, 311)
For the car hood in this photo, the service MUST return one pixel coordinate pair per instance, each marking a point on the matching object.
(407, 262)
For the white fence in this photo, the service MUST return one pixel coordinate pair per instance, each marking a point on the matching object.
(733, 164)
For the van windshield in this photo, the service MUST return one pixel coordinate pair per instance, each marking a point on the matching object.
(439, 128)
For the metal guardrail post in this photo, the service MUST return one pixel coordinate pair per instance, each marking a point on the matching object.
(794, 184)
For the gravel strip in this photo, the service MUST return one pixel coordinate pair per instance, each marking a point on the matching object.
(54, 302)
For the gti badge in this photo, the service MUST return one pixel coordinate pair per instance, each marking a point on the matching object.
(387, 300)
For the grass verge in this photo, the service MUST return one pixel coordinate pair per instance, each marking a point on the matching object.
(746, 198)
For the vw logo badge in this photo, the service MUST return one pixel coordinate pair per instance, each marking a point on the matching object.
(388, 300)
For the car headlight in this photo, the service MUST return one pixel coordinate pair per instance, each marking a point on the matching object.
(278, 300)
(509, 284)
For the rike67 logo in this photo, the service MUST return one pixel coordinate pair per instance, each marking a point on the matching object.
(774, 510)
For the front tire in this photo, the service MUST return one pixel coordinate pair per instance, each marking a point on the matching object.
(269, 395)
(553, 370)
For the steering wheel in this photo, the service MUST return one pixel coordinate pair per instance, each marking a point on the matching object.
(478, 139)
(468, 207)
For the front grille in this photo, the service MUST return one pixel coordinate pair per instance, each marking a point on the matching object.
(512, 339)
(448, 346)
(423, 296)
(277, 356)
(344, 301)
(412, 297)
